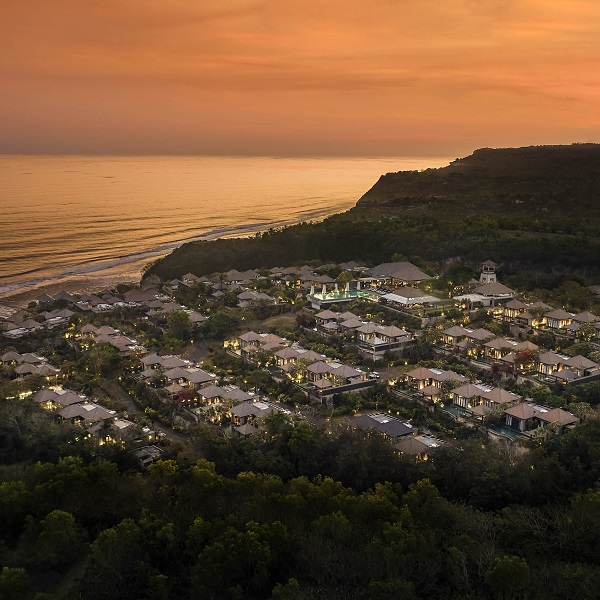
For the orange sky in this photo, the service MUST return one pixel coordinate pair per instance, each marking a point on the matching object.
(286, 77)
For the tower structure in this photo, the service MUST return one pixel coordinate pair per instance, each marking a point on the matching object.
(488, 272)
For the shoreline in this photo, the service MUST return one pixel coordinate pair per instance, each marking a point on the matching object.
(270, 193)
(19, 299)
(85, 282)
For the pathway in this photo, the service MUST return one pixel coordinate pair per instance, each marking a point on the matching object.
(114, 389)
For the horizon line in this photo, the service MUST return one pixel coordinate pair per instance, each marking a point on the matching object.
(281, 156)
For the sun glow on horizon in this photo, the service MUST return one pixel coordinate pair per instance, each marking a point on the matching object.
(297, 78)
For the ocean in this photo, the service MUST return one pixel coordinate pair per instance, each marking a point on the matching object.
(80, 219)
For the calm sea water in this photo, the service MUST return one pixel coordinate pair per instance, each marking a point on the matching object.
(66, 218)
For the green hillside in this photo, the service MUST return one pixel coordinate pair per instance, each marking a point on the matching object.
(534, 207)
(530, 181)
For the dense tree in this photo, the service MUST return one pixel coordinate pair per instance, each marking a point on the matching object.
(222, 324)
(101, 359)
(14, 583)
(239, 564)
(179, 325)
(368, 234)
(301, 512)
(117, 565)
(508, 577)
(56, 541)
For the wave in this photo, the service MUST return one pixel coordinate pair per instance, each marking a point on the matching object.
(97, 265)
(63, 230)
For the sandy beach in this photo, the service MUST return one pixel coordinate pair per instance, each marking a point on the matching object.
(10, 301)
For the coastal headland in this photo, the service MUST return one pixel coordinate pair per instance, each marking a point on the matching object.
(534, 207)
(423, 426)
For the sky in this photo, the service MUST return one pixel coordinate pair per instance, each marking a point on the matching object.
(297, 77)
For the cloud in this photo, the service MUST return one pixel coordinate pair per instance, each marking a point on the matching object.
(283, 72)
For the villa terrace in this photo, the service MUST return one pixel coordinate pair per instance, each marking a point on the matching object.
(313, 373)
(527, 418)
(101, 423)
(320, 299)
(373, 340)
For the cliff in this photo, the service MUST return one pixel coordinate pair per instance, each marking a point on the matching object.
(535, 207)
(561, 178)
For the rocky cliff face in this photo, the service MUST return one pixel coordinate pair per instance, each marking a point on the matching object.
(536, 207)
(496, 178)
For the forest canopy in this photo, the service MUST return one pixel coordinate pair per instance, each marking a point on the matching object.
(529, 208)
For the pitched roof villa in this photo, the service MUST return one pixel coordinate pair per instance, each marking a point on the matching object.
(402, 272)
